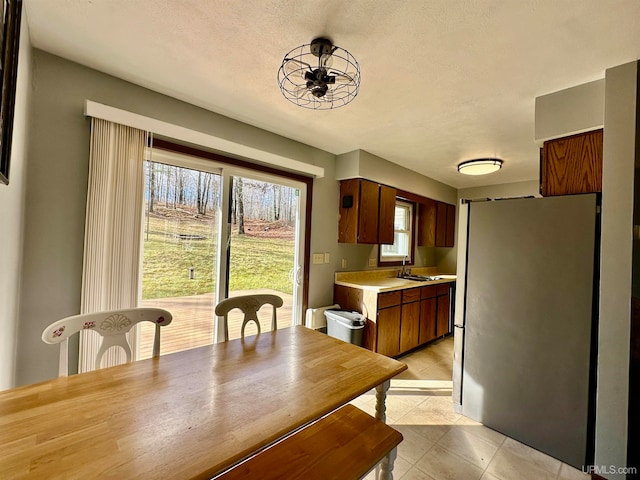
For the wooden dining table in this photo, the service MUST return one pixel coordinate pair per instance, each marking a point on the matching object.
(187, 415)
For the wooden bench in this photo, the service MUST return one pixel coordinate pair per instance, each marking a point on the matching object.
(345, 445)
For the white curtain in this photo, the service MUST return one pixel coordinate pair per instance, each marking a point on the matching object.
(112, 228)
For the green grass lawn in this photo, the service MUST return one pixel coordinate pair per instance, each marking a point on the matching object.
(255, 262)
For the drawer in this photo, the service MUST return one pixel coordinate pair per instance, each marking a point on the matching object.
(442, 289)
(428, 292)
(389, 299)
(410, 295)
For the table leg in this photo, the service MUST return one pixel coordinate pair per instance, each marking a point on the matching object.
(385, 470)
(381, 397)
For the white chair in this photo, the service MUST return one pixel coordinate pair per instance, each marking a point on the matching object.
(249, 305)
(112, 325)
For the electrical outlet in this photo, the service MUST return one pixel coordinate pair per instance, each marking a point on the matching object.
(372, 262)
(327, 257)
(344, 263)
(317, 258)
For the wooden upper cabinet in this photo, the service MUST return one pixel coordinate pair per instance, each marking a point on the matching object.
(436, 223)
(427, 223)
(349, 208)
(441, 224)
(367, 210)
(572, 164)
(451, 226)
(386, 216)
(368, 215)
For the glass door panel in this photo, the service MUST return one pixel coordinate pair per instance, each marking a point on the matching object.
(180, 242)
(263, 249)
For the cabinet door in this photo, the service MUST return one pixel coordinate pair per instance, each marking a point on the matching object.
(386, 216)
(451, 226)
(368, 215)
(349, 206)
(442, 316)
(572, 164)
(441, 224)
(427, 320)
(427, 223)
(409, 326)
(389, 331)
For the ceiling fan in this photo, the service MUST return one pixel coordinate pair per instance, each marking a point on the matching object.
(319, 75)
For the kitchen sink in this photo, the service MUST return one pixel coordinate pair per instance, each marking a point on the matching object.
(421, 278)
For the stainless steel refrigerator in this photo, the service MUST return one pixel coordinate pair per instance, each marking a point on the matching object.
(526, 321)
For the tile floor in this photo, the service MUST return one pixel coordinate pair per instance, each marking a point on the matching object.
(440, 444)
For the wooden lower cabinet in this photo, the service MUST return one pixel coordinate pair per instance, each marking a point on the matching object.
(442, 315)
(400, 320)
(427, 320)
(389, 331)
(410, 326)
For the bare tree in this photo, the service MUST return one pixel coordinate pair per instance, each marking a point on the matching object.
(202, 197)
(180, 186)
(277, 201)
(167, 174)
(152, 186)
(239, 197)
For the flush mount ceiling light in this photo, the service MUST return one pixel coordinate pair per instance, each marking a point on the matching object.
(319, 76)
(480, 166)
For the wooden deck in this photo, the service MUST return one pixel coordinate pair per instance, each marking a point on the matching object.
(194, 322)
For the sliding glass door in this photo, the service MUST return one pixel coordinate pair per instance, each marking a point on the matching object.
(210, 233)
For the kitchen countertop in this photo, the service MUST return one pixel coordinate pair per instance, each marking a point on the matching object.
(387, 280)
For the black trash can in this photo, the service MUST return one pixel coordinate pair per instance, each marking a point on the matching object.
(345, 325)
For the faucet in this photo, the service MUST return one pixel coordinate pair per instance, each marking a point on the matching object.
(403, 272)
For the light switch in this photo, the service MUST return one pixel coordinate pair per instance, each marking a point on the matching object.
(327, 257)
(344, 263)
(317, 258)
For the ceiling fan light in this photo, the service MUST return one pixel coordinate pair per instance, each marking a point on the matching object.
(480, 166)
(294, 69)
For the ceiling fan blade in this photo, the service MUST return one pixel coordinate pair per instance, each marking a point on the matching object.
(300, 92)
(344, 78)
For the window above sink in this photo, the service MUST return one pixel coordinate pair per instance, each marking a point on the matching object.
(402, 250)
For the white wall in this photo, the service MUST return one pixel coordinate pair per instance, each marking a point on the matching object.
(573, 110)
(615, 275)
(12, 200)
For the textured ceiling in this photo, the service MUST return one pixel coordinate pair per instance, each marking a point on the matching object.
(442, 80)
